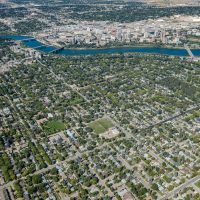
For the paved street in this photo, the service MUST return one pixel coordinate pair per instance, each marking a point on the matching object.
(175, 191)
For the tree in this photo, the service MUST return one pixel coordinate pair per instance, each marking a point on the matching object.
(154, 186)
(36, 179)
(54, 171)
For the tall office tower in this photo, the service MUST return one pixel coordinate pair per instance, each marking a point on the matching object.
(163, 37)
(119, 35)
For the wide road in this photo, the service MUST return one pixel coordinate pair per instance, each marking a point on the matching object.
(72, 87)
(180, 187)
(173, 117)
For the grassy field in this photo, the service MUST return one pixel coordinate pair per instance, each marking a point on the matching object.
(54, 126)
(198, 184)
(101, 125)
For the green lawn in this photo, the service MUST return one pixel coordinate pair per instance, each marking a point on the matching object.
(53, 126)
(198, 184)
(101, 125)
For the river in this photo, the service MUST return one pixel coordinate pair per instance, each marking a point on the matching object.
(33, 43)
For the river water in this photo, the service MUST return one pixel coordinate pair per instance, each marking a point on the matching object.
(77, 52)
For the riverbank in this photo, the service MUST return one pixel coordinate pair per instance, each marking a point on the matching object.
(111, 45)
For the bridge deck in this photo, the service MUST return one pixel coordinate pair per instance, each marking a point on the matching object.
(27, 39)
(188, 50)
(56, 50)
(39, 46)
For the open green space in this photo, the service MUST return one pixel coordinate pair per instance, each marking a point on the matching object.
(198, 184)
(53, 126)
(101, 125)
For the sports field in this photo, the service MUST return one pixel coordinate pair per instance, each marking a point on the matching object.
(101, 125)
